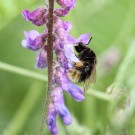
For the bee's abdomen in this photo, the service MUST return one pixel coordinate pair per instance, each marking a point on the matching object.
(85, 72)
(84, 76)
(82, 71)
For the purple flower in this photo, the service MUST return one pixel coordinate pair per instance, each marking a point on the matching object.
(60, 107)
(69, 53)
(63, 47)
(65, 37)
(62, 11)
(58, 23)
(64, 3)
(84, 38)
(62, 59)
(51, 119)
(33, 40)
(41, 60)
(67, 3)
(37, 17)
(67, 26)
(60, 54)
(73, 3)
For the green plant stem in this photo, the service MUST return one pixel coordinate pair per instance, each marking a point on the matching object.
(24, 110)
(21, 71)
(99, 94)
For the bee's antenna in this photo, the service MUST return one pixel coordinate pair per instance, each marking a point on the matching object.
(89, 40)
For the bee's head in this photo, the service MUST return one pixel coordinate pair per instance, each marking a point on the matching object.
(80, 47)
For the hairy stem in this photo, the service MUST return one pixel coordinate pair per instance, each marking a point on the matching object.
(50, 63)
(50, 45)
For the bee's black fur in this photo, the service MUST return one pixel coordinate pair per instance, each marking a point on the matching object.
(88, 58)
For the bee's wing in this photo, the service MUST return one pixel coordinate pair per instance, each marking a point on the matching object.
(91, 79)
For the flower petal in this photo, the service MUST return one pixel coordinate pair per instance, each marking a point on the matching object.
(41, 60)
(65, 3)
(67, 26)
(60, 54)
(73, 3)
(37, 16)
(25, 14)
(69, 52)
(58, 24)
(33, 40)
(65, 37)
(60, 107)
(51, 119)
(61, 11)
(84, 38)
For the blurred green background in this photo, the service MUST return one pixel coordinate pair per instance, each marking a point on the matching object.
(112, 25)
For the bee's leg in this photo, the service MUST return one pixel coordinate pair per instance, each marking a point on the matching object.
(84, 89)
(78, 64)
(74, 75)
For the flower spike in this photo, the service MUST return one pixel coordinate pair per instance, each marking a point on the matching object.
(63, 46)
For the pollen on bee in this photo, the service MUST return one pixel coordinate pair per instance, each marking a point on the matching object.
(78, 64)
(73, 75)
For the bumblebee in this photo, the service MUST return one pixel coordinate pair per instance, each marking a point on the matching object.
(85, 69)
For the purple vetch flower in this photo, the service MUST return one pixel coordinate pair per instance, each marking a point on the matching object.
(38, 17)
(62, 11)
(63, 47)
(41, 60)
(73, 3)
(33, 40)
(51, 119)
(84, 38)
(65, 37)
(69, 53)
(62, 59)
(67, 3)
(60, 54)
(64, 3)
(60, 106)
(58, 23)
(67, 26)
(57, 106)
